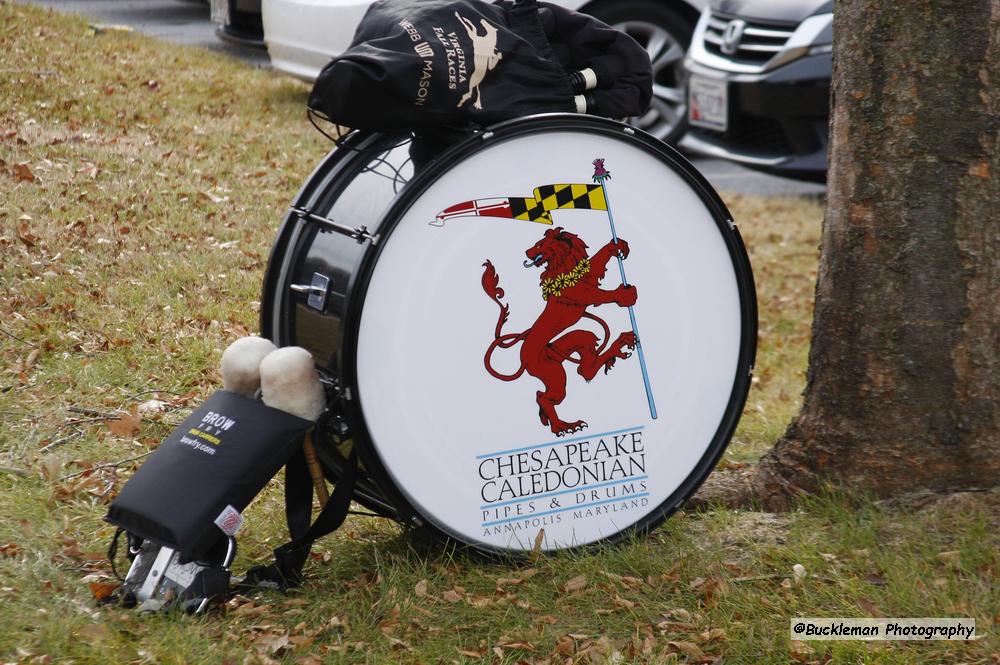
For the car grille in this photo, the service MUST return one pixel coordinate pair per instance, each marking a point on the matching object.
(758, 44)
(758, 135)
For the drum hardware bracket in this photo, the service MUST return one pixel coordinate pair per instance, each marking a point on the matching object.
(359, 233)
(339, 426)
(629, 131)
(487, 136)
(317, 290)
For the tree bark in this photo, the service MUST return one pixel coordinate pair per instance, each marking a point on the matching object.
(903, 387)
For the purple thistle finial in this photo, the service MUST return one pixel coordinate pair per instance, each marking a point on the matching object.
(600, 173)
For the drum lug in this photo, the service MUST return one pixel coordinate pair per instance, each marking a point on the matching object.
(317, 290)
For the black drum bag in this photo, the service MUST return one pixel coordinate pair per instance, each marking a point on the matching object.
(436, 63)
(222, 455)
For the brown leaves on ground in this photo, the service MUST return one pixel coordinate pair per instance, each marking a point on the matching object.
(24, 233)
(269, 641)
(643, 646)
(22, 172)
(101, 590)
(574, 584)
(128, 424)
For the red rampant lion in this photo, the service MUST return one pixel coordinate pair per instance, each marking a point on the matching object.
(570, 284)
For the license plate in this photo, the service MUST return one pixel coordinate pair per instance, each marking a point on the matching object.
(220, 11)
(708, 103)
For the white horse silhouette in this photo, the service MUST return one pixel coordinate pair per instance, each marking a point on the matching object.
(485, 57)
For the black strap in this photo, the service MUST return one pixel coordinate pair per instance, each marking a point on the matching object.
(290, 558)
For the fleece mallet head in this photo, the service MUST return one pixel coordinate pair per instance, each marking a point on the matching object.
(241, 364)
(289, 382)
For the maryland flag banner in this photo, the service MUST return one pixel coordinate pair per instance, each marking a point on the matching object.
(546, 199)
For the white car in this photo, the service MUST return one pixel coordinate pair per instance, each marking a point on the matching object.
(303, 35)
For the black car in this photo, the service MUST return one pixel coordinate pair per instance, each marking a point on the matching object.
(239, 22)
(759, 85)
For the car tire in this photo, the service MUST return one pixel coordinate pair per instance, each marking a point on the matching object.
(666, 34)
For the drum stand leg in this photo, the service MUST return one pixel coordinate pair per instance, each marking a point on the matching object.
(319, 483)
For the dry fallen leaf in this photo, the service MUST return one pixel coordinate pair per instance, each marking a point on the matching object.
(101, 590)
(713, 634)
(89, 169)
(632, 582)
(451, 596)
(251, 610)
(801, 651)
(624, 603)
(565, 645)
(22, 173)
(152, 406)
(127, 425)
(25, 235)
(577, 583)
(951, 556)
(421, 588)
(689, 649)
(537, 548)
(273, 643)
(398, 644)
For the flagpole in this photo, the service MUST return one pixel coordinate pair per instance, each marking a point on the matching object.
(600, 176)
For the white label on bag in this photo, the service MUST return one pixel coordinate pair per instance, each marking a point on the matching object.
(229, 520)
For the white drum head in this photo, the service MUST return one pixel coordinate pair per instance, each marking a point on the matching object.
(565, 446)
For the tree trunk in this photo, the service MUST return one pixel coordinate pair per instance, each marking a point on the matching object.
(903, 389)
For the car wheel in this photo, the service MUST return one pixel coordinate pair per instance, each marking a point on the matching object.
(665, 34)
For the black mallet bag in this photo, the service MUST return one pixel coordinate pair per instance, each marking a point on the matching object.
(222, 455)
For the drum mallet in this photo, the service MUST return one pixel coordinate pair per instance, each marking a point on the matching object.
(289, 382)
(241, 365)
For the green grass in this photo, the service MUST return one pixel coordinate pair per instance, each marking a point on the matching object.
(136, 255)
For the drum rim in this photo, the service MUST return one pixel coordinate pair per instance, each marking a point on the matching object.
(543, 123)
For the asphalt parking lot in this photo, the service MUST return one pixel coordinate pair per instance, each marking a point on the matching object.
(187, 22)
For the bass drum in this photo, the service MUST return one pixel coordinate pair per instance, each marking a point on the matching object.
(543, 335)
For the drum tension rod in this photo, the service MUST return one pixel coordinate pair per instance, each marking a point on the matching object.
(359, 233)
